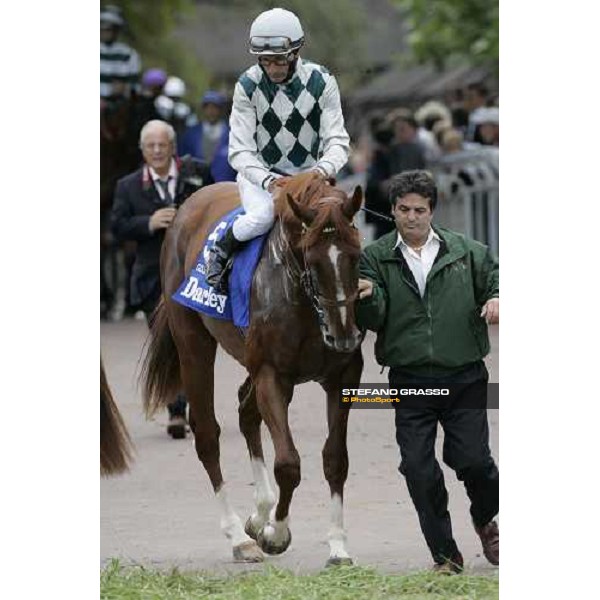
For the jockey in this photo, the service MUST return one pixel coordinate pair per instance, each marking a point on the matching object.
(119, 63)
(286, 119)
(175, 89)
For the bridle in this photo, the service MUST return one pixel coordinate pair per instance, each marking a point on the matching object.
(306, 274)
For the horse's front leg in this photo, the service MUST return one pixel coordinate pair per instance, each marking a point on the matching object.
(335, 457)
(273, 394)
(264, 496)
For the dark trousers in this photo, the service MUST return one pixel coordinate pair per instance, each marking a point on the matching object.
(466, 450)
(179, 406)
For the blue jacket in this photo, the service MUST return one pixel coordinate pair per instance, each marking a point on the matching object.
(191, 143)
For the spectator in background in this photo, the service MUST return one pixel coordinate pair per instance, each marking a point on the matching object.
(487, 123)
(476, 99)
(209, 139)
(172, 107)
(447, 138)
(145, 204)
(439, 129)
(406, 152)
(119, 64)
(145, 107)
(427, 116)
(451, 141)
(460, 115)
(377, 173)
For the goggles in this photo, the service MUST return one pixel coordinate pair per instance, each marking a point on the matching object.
(277, 60)
(272, 45)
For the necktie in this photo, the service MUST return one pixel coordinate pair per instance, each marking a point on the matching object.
(164, 186)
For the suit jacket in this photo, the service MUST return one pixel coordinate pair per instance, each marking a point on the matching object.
(136, 199)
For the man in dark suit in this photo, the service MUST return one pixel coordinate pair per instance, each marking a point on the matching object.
(145, 204)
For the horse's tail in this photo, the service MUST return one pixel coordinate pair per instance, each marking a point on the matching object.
(115, 443)
(160, 375)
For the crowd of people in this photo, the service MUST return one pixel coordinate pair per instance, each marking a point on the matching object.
(403, 140)
(131, 97)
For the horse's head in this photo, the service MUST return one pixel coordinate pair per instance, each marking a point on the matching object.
(324, 238)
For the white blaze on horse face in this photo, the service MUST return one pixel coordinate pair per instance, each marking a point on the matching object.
(337, 535)
(231, 524)
(264, 497)
(333, 253)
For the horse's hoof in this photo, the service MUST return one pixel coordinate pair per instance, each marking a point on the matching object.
(271, 546)
(177, 427)
(247, 552)
(339, 561)
(250, 529)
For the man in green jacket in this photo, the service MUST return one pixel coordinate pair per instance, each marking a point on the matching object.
(428, 292)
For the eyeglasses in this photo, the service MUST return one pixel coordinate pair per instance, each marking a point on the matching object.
(274, 45)
(157, 145)
(278, 61)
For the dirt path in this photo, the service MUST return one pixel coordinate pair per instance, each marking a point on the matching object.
(163, 513)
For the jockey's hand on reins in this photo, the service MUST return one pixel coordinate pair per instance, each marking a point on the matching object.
(323, 177)
(277, 183)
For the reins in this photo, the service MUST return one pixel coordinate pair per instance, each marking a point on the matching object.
(304, 272)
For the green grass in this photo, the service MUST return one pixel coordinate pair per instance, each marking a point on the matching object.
(340, 583)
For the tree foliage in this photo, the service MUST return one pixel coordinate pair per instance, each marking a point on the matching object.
(150, 24)
(441, 30)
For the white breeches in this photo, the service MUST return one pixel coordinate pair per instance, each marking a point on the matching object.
(260, 212)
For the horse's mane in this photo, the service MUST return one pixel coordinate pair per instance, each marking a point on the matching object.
(307, 189)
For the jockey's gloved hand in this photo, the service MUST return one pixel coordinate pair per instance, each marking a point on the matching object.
(322, 175)
(277, 183)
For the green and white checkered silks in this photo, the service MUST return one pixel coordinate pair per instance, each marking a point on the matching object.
(288, 116)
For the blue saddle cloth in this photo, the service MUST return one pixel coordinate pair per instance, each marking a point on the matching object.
(196, 294)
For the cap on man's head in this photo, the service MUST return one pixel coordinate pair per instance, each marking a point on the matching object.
(212, 97)
(111, 16)
(154, 78)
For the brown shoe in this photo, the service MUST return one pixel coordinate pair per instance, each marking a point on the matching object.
(451, 566)
(177, 427)
(490, 540)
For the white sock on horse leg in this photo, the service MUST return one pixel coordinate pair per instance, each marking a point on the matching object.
(337, 535)
(231, 524)
(264, 497)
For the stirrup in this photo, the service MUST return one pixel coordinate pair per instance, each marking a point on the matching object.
(221, 285)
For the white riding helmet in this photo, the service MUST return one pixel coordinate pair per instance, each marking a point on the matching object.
(174, 88)
(164, 107)
(276, 31)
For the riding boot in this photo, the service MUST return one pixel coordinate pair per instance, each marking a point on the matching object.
(220, 259)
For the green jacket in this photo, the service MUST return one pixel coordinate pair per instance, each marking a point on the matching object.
(442, 332)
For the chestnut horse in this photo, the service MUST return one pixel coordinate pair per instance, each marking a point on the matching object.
(115, 444)
(302, 328)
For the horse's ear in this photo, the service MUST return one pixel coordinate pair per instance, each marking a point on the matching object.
(352, 205)
(303, 213)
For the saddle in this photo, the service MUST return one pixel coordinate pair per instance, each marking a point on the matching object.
(195, 293)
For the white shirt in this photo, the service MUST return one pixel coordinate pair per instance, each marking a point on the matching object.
(420, 264)
(213, 131)
(172, 182)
